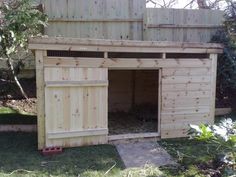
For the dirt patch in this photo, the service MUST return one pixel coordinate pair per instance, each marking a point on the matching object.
(123, 123)
(9, 90)
(23, 105)
(11, 97)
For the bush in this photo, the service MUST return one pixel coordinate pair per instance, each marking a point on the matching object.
(223, 138)
(226, 71)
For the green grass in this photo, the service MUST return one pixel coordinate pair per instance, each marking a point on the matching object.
(189, 154)
(20, 158)
(11, 116)
(19, 151)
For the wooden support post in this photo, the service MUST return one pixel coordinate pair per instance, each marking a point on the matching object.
(39, 54)
(213, 58)
(159, 101)
(133, 88)
(105, 55)
(164, 55)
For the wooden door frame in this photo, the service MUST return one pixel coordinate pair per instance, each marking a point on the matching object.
(157, 134)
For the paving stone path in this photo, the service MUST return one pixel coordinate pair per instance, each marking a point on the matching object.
(138, 154)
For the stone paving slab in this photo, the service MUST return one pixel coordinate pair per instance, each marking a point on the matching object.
(138, 154)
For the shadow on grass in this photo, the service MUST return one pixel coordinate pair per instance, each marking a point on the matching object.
(19, 151)
(12, 116)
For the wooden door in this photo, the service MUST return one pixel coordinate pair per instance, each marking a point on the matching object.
(76, 106)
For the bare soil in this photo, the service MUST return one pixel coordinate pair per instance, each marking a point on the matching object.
(23, 105)
(9, 90)
(11, 97)
(123, 123)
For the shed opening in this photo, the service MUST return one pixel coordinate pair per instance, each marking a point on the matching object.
(133, 101)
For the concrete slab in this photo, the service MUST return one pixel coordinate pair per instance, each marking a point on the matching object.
(138, 154)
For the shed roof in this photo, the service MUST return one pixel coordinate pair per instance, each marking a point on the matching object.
(105, 45)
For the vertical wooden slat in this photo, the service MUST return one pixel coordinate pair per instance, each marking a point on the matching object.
(39, 55)
(162, 24)
(78, 108)
(91, 10)
(213, 57)
(159, 101)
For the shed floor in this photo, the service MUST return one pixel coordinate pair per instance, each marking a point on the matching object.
(123, 123)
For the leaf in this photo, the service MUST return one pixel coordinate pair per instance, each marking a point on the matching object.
(196, 128)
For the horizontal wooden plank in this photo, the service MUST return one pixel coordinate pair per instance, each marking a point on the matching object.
(61, 42)
(222, 111)
(187, 94)
(186, 87)
(185, 79)
(183, 125)
(185, 115)
(89, 83)
(81, 133)
(122, 48)
(195, 26)
(114, 20)
(190, 110)
(172, 118)
(186, 71)
(133, 136)
(176, 103)
(174, 133)
(184, 112)
(124, 63)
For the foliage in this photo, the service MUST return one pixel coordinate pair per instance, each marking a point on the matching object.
(226, 71)
(192, 156)
(221, 137)
(20, 21)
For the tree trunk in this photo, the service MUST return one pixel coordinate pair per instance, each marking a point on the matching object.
(11, 67)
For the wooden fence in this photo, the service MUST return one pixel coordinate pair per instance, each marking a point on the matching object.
(127, 20)
(181, 24)
(104, 19)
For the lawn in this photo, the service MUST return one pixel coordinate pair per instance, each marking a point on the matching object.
(19, 151)
(20, 158)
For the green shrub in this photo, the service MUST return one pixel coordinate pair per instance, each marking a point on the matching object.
(223, 138)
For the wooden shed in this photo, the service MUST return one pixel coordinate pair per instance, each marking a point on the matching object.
(80, 80)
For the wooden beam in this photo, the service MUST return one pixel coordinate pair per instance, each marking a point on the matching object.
(60, 43)
(123, 63)
(159, 100)
(89, 83)
(81, 133)
(186, 87)
(222, 111)
(195, 26)
(39, 55)
(134, 49)
(114, 20)
(133, 136)
(213, 85)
